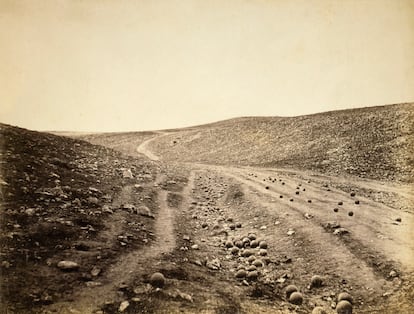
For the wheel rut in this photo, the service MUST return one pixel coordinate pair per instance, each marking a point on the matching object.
(132, 264)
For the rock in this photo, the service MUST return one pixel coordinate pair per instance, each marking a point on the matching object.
(68, 265)
(234, 250)
(290, 232)
(213, 264)
(398, 219)
(228, 244)
(107, 209)
(308, 216)
(127, 173)
(195, 247)
(340, 231)
(123, 306)
(157, 280)
(238, 225)
(92, 200)
(92, 284)
(290, 289)
(30, 211)
(94, 190)
(351, 213)
(144, 211)
(344, 307)
(296, 298)
(130, 207)
(183, 296)
(393, 274)
(335, 210)
(95, 271)
(316, 281)
(138, 187)
(186, 237)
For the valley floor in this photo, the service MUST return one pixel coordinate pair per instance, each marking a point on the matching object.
(231, 239)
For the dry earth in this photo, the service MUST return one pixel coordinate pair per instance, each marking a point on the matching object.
(228, 238)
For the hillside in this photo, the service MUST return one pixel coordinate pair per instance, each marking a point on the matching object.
(375, 142)
(58, 197)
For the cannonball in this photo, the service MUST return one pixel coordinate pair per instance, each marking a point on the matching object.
(296, 298)
(344, 307)
(290, 289)
(157, 280)
(316, 281)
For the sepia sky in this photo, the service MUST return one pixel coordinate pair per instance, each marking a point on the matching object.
(110, 65)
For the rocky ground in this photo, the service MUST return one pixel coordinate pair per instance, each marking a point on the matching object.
(374, 143)
(114, 228)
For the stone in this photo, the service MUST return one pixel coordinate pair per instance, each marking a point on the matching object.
(340, 231)
(68, 265)
(92, 284)
(127, 173)
(213, 264)
(92, 200)
(95, 271)
(30, 211)
(144, 211)
(123, 306)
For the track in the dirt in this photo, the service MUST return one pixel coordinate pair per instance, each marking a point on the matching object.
(134, 263)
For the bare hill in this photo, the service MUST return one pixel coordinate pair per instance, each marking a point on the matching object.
(59, 199)
(375, 142)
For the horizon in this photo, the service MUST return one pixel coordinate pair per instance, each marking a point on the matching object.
(79, 132)
(106, 66)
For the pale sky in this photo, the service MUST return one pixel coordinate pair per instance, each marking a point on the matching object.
(112, 65)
